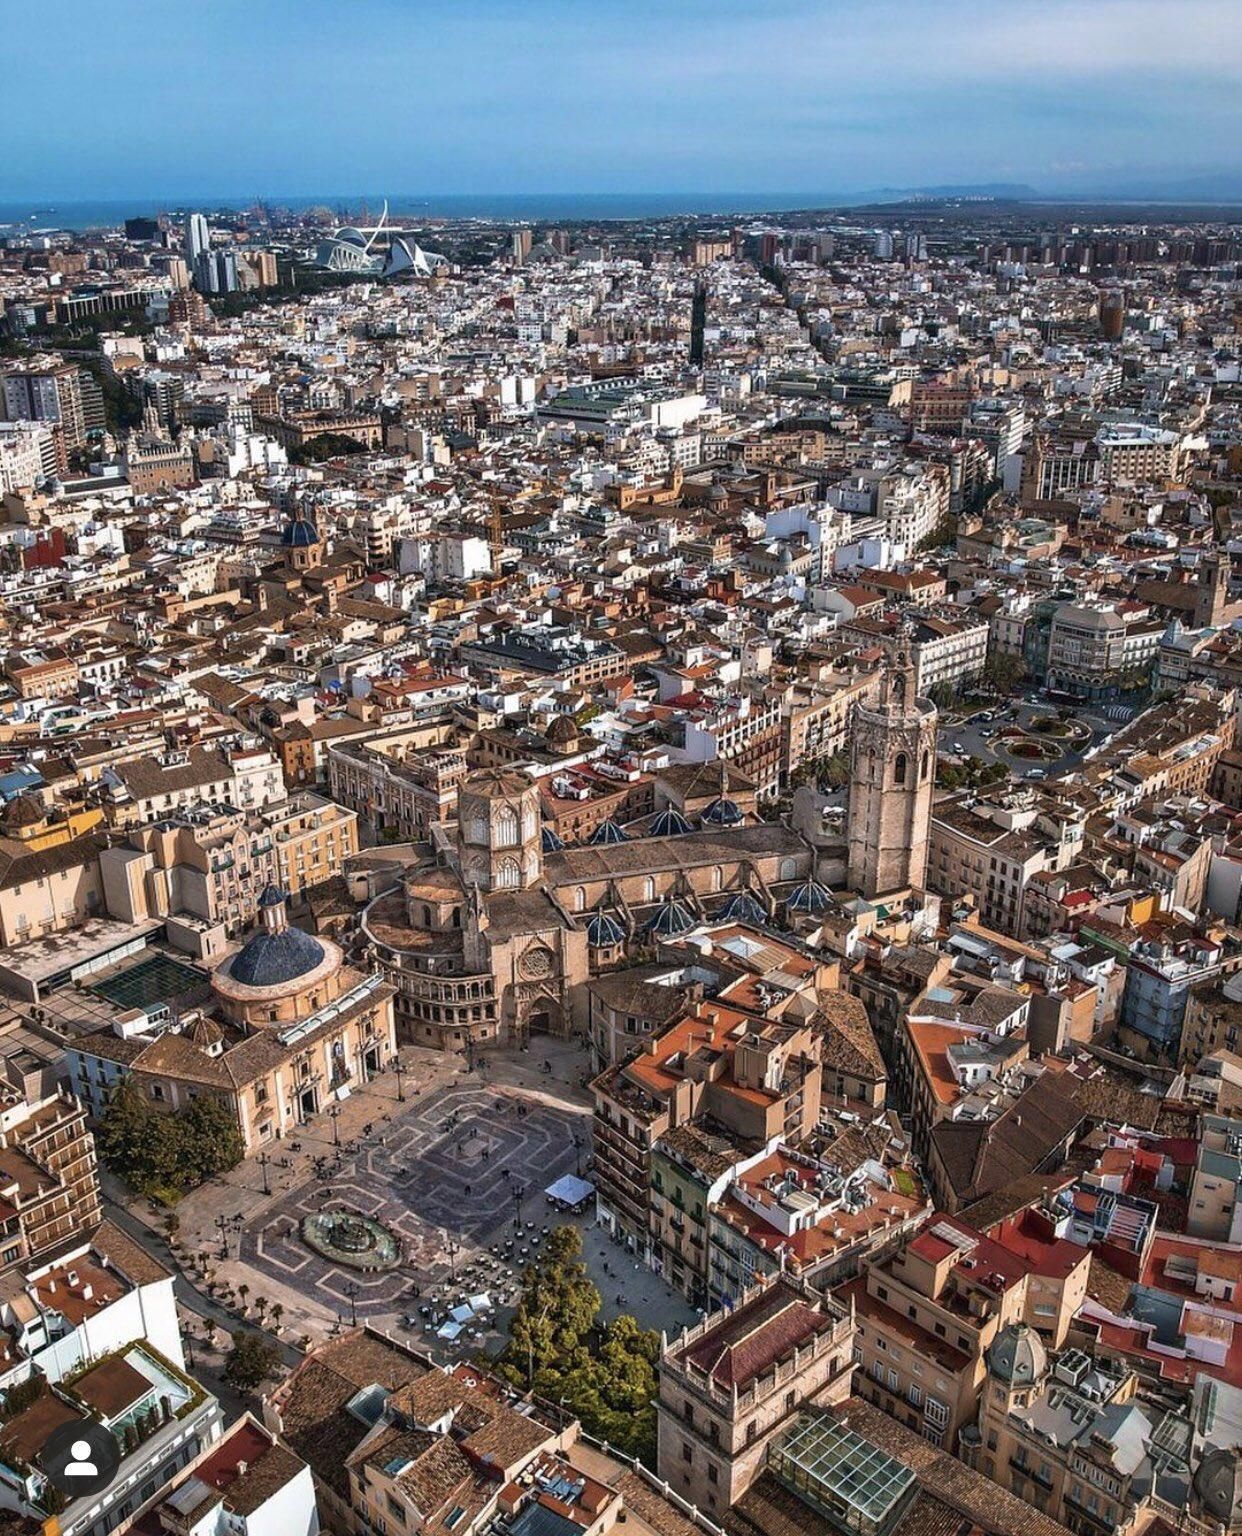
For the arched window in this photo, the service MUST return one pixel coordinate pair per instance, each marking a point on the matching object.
(648, 889)
(789, 869)
(478, 829)
(717, 877)
(456, 917)
(427, 917)
(529, 827)
(901, 764)
(925, 766)
(507, 827)
(508, 874)
(580, 899)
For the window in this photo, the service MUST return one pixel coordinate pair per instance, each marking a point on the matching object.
(687, 1451)
(901, 764)
(508, 873)
(507, 827)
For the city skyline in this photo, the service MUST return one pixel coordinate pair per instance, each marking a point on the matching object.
(1126, 98)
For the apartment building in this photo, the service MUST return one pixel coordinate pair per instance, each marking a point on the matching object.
(990, 851)
(927, 1314)
(757, 1078)
(1069, 1435)
(402, 787)
(735, 1382)
(1132, 453)
(49, 1181)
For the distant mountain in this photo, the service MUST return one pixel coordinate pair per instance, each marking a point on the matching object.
(1003, 191)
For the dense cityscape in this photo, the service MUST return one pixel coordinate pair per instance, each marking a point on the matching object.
(621, 872)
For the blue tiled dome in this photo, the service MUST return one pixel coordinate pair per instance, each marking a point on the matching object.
(670, 823)
(273, 959)
(552, 840)
(604, 931)
(810, 896)
(723, 813)
(299, 533)
(742, 907)
(607, 832)
(672, 918)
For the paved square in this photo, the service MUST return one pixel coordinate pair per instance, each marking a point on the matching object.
(450, 1165)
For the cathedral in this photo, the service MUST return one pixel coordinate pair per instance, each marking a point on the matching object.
(496, 937)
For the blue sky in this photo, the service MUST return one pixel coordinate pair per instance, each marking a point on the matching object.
(232, 98)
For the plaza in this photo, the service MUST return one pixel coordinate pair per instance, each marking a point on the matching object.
(448, 1177)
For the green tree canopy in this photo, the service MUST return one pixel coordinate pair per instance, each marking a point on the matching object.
(251, 1360)
(153, 1151)
(559, 1348)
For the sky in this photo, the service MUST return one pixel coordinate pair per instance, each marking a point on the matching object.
(240, 98)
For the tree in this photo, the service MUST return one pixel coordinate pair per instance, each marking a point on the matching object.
(278, 1312)
(942, 695)
(1003, 671)
(251, 1360)
(157, 1152)
(210, 1141)
(243, 1290)
(558, 1348)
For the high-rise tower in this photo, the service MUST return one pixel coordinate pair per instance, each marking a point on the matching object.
(197, 238)
(698, 323)
(892, 772)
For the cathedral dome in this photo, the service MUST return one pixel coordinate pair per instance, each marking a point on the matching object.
(604, 931)
(551, 840)
(562, 732)
(1017, 1356)
(1218, 1483)
(743, 907)
(669, 823)
(299, 533)
(607, 832)
(275, 959)
(808, 897)
(723, 813)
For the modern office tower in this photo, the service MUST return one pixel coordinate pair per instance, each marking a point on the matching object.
(522, 241)
(216, 272)
(883, 245)
(197, 238)
(698, 324)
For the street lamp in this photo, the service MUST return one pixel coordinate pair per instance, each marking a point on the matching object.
(263, 1161)
(452, 1248)
(519, 1193)
(334, 1114)
(396, 1061)
(351, 1290)
(225, 1225)
(578, 1154)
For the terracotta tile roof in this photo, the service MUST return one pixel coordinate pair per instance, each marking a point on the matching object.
(750, 1340)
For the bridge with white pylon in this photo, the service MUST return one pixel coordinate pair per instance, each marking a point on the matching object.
(377, 251)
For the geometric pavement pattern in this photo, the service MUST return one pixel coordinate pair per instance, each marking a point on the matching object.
(440, 1168)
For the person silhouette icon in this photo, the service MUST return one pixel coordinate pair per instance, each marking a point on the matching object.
(81, 1465)
(81, 1458)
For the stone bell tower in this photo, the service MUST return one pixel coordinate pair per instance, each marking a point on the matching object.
(892, 773)
(498, 842)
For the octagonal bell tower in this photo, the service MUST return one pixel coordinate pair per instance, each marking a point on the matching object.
(498, 843)
(892, 773)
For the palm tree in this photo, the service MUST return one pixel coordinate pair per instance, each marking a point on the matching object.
(260, 1306)
(243, 1291)
(278, 1312)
